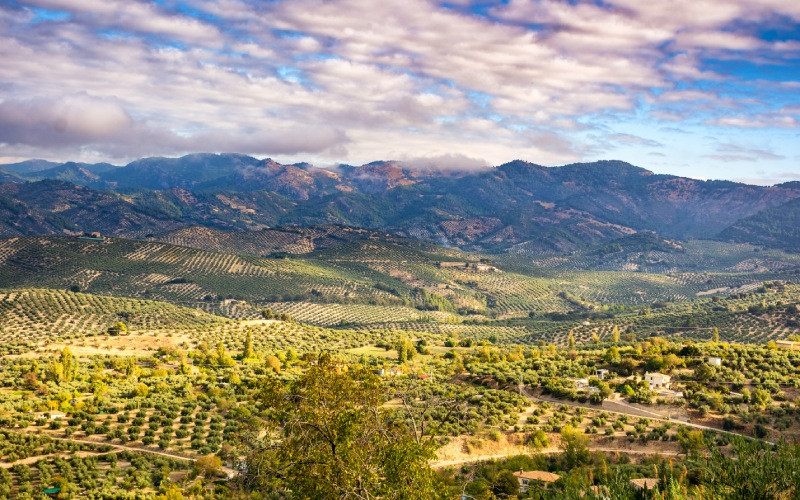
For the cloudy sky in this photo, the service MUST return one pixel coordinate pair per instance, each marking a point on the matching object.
(703, 88)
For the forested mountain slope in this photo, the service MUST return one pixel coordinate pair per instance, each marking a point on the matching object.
(517, 207)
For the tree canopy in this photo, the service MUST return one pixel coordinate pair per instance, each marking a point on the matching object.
(327, 436)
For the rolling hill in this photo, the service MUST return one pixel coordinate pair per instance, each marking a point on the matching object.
(356, 268)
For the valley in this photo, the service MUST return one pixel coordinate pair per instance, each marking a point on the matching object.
(115, 350)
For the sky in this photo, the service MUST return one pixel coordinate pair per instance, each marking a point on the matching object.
(702, 88)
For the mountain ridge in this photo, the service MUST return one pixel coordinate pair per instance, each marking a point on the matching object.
(519, 206)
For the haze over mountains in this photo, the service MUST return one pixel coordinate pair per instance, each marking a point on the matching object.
(517, 207)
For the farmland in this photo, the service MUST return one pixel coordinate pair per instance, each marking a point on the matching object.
(141, 365)
(369, 272)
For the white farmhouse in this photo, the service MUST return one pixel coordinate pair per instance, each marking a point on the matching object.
(657, 380)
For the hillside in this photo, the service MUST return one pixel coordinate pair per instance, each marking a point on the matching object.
(37, 316)
(361, 271)
(411, 282)
(58, 207)
(777, 227)
(268, 242)
(649, 253)
(517, 207)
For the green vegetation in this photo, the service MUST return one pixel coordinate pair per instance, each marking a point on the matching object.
(366, 367)
(776, 227)
(333, 440)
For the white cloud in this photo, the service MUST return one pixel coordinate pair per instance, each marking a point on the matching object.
(757, 121)
(356, 80)
(70, 120)
(446, 162)
(137, 16)
(635, 140)
(735, 153)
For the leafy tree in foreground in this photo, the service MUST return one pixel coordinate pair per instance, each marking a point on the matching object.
(328, 437)
(753, 471)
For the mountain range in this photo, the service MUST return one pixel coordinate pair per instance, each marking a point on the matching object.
(517, 207)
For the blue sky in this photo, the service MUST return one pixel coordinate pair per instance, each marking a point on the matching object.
(702, 88)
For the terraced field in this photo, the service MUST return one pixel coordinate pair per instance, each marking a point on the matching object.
(171, 273)
(348, 314)
(357, 282)
(37, 316)
(48, 320)
(758, 316)
(689, 256)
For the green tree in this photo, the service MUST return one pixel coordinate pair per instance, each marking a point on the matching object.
(248, 351)
(538, 440)
(185, 368)
(571, 340)
(328, 436)
(575, 446)
(691, 442)
(405, 350)
(222, 357)
(208, 465)
(65, 368)
(612, 355)
(118, 328)
(751, 471)
(615, 334)
(760, 398)
(130, 368)
(505, 484)
(705, 372)
(715, 334)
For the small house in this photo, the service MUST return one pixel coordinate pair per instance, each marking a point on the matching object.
(581, 383)
(601, 373)
(657, 380)
(526, 477)
(53, 415)
(713, 361)
(787, 344)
